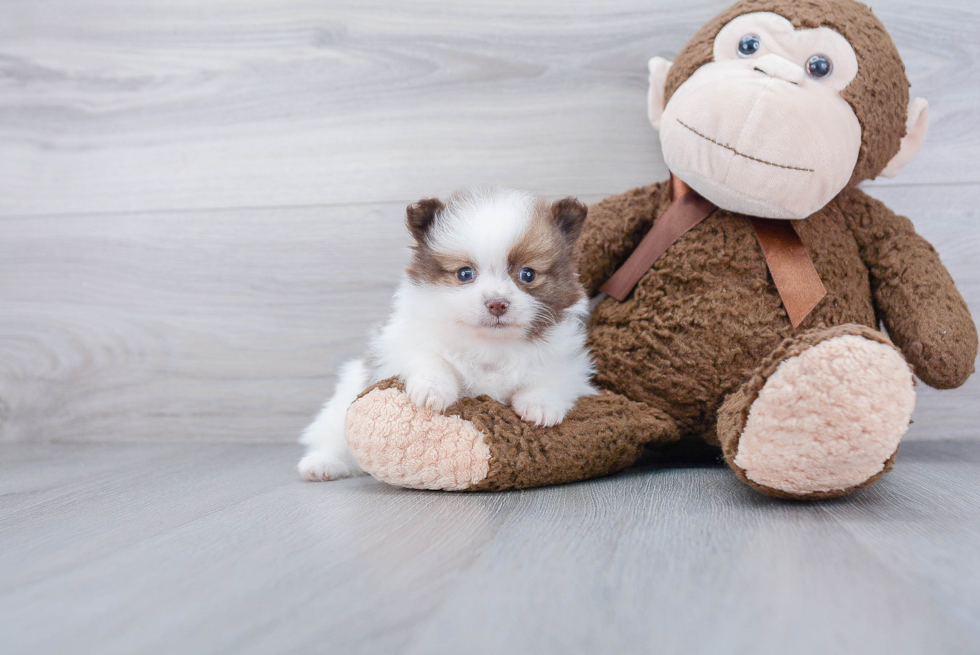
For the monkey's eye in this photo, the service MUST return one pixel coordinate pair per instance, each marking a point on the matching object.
(819, 67)
(749, 45)
(527, 275)
(465, 274)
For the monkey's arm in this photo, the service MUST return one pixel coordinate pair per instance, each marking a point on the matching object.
(915, 297)
(612, 229)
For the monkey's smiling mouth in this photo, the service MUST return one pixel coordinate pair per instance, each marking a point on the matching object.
(742, 154)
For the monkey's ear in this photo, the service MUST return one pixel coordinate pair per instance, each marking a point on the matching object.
(659, 67)
(915, 133)
(569, 214)
(421, 215)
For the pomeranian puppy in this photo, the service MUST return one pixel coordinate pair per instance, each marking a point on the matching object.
(490, 304)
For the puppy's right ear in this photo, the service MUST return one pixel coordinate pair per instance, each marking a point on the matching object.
(421, 216)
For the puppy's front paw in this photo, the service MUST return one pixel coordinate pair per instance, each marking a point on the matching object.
(325, 466)
(432, 391)
(539, 407)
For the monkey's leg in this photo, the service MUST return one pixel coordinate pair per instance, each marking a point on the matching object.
(481, 445)
(821, 417)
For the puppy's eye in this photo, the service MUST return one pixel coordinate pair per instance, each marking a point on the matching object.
(749, 45)
(819, 67)
(465, 274)
(527, 275)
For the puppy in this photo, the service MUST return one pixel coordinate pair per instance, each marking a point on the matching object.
(490, 304)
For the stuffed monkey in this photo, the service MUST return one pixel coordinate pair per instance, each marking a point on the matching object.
(773, 113)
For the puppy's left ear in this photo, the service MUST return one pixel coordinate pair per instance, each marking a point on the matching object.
(569, 214)
(421, 216)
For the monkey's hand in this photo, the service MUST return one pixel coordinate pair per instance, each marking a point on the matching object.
(613, 228)
(914, 295)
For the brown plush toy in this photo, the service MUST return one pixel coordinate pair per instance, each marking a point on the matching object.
(751, 332)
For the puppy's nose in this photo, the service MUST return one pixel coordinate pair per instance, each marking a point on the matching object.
(497, 306)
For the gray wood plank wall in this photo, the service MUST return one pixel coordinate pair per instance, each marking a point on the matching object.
(201, 203)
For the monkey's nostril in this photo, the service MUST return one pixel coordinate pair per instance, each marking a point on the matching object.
(497, 306)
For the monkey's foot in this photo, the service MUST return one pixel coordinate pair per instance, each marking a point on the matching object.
(822, 417)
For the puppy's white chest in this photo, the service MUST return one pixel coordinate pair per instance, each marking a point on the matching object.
(490, 367)
(495, 376)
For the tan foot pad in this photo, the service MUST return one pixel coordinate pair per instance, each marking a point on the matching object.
(829, 418)
(408, 446)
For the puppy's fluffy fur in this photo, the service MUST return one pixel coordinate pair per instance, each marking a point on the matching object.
(490, 304)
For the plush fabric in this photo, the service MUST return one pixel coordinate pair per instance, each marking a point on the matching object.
(704, 336)
(823, 414)
(914, 296)
(879, 94)
(699, 323)
(784, 144)
(481, 445)
(703, 317)
(411, 446)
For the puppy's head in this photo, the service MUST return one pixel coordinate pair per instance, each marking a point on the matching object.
(496, 262)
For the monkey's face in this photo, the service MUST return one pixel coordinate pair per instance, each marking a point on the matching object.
(762, 129)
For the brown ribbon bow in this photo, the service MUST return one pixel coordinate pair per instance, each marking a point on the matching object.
(792, 270)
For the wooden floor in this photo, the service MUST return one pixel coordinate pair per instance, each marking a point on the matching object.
(201, 209)
(218, 548)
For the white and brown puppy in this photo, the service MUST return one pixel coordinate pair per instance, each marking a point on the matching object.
(490, 304)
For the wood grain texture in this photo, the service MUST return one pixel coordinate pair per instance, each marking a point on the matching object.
(109, 105)
(193, 548)
(213, 325)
